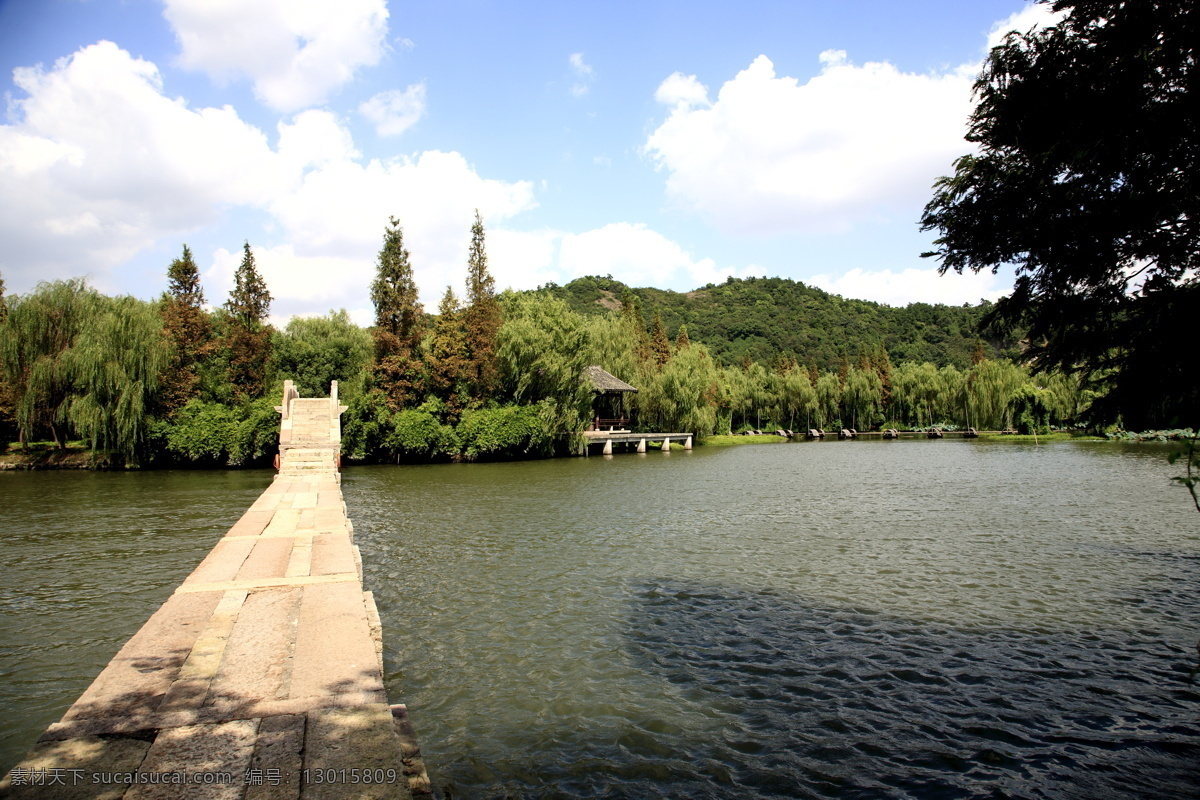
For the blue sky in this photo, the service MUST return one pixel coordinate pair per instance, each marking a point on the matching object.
(669, 144)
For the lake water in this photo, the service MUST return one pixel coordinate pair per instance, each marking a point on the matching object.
(827, 619)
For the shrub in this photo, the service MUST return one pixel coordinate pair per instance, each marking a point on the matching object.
(504, 432)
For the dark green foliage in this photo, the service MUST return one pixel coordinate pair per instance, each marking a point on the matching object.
(249, 301)
(398, 315)
(418, 434)
(115, 366)
(366, 426)
(315, 351)
(39, 330)
(447, 362)
(1031, 410)
(481, 319)
(761, 319)
(188, 329)
(504, 432)
(212, 434)
(248, 341)
(1087, 179)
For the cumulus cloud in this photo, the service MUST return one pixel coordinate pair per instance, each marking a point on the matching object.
(634, 254)
(295, 52)
(913, 286)
(682, 93)
(101, 163)
(1035, 15)
(393, 112)
(772, 155)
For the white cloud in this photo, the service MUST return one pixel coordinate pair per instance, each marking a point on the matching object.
(773, 155)
(100, 166)
(1035, 15)
(583, 71)
(100, 163)
(522, 259)
(682, 92)
(393, 112)
(295, 52)
(636, 255)
(913, 286)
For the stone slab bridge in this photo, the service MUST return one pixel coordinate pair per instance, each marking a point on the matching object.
(261, 677)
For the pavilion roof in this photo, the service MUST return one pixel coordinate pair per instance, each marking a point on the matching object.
(603, 381)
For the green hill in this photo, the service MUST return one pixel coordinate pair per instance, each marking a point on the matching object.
(768, 318)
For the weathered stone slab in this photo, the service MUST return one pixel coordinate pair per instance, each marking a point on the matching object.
(223, 561)
(257, 664)
(274, 772)
(268, 559)
(334, 651)
(332, 554)
(210, 760)
(361, 739)
(195, 677)
(75, 769)
(138, 677)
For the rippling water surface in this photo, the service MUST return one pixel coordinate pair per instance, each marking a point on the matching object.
(836, 619)
(85, 559)
(903, 619)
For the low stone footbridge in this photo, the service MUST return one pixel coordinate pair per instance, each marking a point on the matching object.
(261, 677)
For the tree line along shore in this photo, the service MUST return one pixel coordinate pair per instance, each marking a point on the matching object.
(172, 382)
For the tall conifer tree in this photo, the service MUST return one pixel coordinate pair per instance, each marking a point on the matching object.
(481, 319)
(186, 326)
(398, 316)
(248, 340)
(448, 354)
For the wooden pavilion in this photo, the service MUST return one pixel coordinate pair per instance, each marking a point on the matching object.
(608, 404)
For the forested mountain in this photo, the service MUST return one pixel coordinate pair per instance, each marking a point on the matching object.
(763, 319)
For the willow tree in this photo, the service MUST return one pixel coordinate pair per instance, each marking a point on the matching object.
(990, 387)
(683, 396)
(660, 345)
(481, 319)
(541, 354)
(799, 397)
(829, 397)
(187, 328)
(40, 328)
(116, 366)
(398, 316)
(7, 420)
(861, 397)
(249, 339)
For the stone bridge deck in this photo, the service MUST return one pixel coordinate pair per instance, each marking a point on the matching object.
(260, 677)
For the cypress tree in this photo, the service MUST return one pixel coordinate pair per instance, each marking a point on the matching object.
(682, 342)
(187, 328)
(248, 340)
(481, 319)
(447, 352)
(397, 332)
(3, 302)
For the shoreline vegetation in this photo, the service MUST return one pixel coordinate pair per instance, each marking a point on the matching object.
(117, 382)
